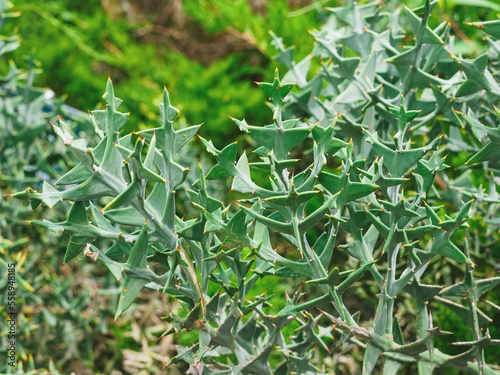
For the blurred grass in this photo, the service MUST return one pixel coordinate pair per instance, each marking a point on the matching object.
(142, 49)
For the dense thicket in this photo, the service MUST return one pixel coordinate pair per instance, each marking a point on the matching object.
(371, 195)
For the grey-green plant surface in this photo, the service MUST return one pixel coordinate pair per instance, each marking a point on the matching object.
(48, 312)
(351, 173)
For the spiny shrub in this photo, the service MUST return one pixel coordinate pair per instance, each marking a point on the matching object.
(29, 152)
(356, 191)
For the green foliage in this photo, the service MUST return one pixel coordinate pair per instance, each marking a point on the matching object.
(49, 311)
(97, 42)
(256, 19)
(371, 114)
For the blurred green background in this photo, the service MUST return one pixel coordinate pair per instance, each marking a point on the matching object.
(207, 54)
